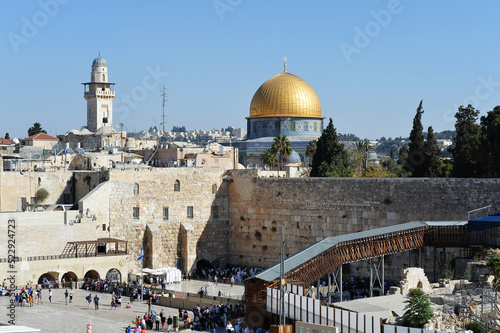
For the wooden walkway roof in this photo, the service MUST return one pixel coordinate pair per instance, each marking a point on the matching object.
(323, 257)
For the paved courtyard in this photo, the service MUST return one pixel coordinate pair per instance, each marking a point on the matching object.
(59, 317)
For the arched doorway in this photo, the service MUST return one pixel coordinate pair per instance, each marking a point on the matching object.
(114, 275)
(46, 280)
(91, 275)
(68, 279)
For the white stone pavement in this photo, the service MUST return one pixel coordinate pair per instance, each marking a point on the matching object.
(58, 317)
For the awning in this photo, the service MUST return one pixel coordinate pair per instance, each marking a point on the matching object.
(58, 271)
(485, 222)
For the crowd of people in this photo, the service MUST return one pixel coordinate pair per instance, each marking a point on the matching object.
(151, 320)
(230, 274)
(29, 296)
(210, 317)
(353, 288)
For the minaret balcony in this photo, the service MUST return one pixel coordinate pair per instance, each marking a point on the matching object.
(100, 93)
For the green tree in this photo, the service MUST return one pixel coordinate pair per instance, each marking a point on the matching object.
(7, 136)
(359, 156)
(488, 159)
(476, 327)
(416, 157)
(432, 154)
(465, 143)
(418, 309)
(311, 149)
(331, 158)
(283, 148)
(270, 157)
(493, 265)
(35, 129)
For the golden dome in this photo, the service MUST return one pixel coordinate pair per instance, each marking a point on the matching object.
(285, 95)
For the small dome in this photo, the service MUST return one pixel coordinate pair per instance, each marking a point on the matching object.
(293, 158)
(99, 61)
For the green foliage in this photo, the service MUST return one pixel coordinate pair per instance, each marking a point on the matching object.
(465, 143)
(418, 309)
(41, 194)
(270, 157)
(311, 148)
(493, 265)
(448, 272)
(7, 136)
(476, 327)
(432, 156)
(488, 162)
(282, 147)
(416, 156)
(446, 168)
(348, 137)
(179, 129)
(35, 129)
(331, 158)
(483, 251)
(359, 157)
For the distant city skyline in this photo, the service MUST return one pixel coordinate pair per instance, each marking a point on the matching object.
(370, 62)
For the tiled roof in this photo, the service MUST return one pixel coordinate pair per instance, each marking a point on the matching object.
(6, 142)
(41, 136)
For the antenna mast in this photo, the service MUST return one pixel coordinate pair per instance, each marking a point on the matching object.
(164, 100)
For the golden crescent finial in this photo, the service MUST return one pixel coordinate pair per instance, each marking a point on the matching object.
(285, 64)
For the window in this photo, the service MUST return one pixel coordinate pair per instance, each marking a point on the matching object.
(177, 186)
(190, 212)
(165, 213)
(214, 188)
(136, 189)
(215, 212)
(136, 213)
(103, 227)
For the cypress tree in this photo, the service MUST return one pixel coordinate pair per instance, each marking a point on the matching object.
(465, 143)
(432, 155)
(488, 161)
(331, 158)
(416, 157)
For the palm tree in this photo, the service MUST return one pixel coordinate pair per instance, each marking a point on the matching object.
(359, 153)
(283, 147)
(311, 149)
(270, 157)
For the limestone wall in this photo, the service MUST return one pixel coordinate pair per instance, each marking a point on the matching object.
(74, 185)
(43, 234)
(314, 208)
(201, 189)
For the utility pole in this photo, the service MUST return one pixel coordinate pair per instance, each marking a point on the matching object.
(163, 115)
(282, 278)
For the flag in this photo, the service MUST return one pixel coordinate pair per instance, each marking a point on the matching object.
(141, 256)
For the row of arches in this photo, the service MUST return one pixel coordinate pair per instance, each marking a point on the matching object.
(68, 277)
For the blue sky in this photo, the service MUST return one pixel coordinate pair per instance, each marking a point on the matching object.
(370, 62)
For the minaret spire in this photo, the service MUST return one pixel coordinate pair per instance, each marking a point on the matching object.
(285, 64)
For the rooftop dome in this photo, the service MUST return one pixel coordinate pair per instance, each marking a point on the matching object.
(293, 158)
(285, 95)
(99, 61)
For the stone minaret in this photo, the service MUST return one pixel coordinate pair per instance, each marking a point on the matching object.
(99, 94)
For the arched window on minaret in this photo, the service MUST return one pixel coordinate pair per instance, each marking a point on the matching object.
(104, 77)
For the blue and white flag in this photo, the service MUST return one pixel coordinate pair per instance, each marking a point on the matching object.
(141, 256)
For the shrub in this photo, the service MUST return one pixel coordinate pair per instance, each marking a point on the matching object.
(418, 309)
(41, 194)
